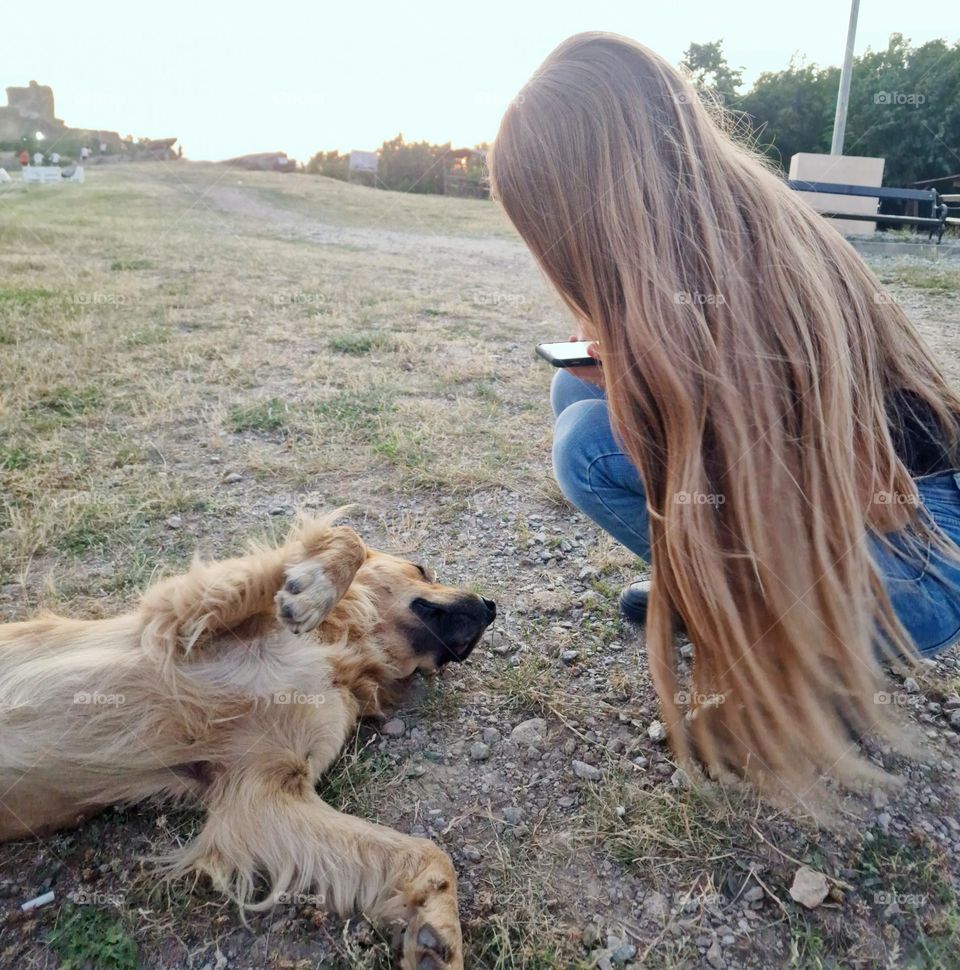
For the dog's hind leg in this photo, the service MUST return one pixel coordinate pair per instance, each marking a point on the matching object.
(275, 826)
(301, 580)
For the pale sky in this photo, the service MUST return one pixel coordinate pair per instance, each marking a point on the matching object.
(304, 75)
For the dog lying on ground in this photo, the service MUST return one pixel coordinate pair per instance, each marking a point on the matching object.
(235, 686)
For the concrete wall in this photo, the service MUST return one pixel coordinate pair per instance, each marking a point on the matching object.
(848, 169)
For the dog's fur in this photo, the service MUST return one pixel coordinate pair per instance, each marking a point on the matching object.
(235, 686)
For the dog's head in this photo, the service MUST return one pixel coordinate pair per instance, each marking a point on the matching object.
(422, 624)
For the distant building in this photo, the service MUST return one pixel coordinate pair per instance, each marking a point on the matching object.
(264, 162)
(160, 149)
(29, 118)
(28, 111)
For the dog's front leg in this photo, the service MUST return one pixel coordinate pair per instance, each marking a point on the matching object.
(302, 580)
(306, 847)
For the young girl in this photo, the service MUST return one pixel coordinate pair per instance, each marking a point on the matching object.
(767, 429)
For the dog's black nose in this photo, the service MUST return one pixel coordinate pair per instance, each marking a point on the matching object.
(491, 609)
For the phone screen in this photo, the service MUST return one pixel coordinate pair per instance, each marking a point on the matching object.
(567, 353)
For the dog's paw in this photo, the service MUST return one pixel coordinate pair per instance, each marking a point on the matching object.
(306, 598)
(428, 950)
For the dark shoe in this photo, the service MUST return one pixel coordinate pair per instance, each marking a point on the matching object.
(634, 600)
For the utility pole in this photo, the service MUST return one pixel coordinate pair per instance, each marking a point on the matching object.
(843, 95)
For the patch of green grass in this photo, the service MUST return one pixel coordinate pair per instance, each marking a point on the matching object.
(531, 684)
(269, 415)
(807, 946)
(85, 535)
(357, 779)
(359, 344)
(892, 866)
(13, 458)
(360, 411)
(147, 337)
(937, 280)
(509, 943)
(89, 937)
(120, 265)
(697, 833)
(486, 392)
(68, 402)
(25, 297)
(105, 520)
(403, 448)
(913, 874)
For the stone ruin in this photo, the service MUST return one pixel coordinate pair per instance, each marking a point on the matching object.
(31, 111)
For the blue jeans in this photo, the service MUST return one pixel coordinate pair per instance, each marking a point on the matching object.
(599, 479)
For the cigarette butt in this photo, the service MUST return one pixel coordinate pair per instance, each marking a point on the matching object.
(37, 902)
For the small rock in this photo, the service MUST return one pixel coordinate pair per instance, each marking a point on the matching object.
(587, 772)
(624, 953)
(479, 751)
(657, 732)
(569, 656)
(550, 601)
(715, 954)
(602, 960)
(491, 735)
(680, 779)
(394, 728)
(754, 894)
(472, 853)
(955, 719)
(809, 887)
(174, 522)
(278, 510)
(530, 732)
(587, 573)
(656, 907)
(232, 478)
(591, 936)
(911, 686)
(512, 814)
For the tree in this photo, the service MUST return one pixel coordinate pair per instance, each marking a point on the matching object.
(331, 164)
(709, 71)
(904, 107)
(411, 167)
(792, 111)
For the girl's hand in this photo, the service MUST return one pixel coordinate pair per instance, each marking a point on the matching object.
(592, 375)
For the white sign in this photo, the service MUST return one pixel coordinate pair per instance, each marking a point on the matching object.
(362, 162)
(51, 173)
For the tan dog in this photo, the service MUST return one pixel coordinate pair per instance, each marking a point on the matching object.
(235, 686)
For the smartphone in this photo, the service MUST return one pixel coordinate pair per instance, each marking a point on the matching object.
(567, 353)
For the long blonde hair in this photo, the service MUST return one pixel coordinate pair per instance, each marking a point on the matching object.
(749, 355)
